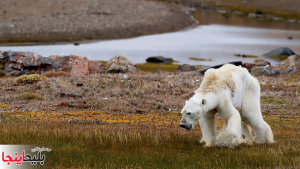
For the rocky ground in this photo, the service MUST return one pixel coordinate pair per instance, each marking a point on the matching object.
(62, 20)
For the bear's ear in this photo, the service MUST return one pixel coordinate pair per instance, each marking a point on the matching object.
(203, 102)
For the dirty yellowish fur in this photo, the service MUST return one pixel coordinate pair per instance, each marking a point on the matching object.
(215, 80)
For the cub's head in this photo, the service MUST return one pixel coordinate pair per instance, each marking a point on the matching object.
(192, 112)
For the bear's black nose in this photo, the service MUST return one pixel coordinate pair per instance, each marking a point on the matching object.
(182, 125)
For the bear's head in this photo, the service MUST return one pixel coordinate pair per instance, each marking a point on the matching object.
(192, 112)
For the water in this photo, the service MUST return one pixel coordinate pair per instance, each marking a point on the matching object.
(216, 38)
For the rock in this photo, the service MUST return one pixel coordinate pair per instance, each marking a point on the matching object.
(20, 63)
(186, 68)
(292, 61)
(280, 51)
(291, 65)
(249, 66)
(290, 38)
(264, 70)
(79, 84)
(158, 59)
(75, 95)
(258, 11)
(76, 65)
(95, 67)
(236, 63)
(120, 64)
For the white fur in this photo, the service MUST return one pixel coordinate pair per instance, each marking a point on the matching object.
(235, 95)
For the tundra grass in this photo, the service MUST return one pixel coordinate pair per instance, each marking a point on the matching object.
(126, 146)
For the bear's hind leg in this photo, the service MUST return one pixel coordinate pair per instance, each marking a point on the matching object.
(251, 113)
(246, 132)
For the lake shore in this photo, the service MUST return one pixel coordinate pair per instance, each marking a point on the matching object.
(79, 20)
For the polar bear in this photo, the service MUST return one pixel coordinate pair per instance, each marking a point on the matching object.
(235, 95)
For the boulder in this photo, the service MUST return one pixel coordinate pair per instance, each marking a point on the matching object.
(186, 68)
(265, 70)
(76, 65)
(120, 64)
(158, 59)
(291, 65)
(280, 51)
(20, 63)
(95, 67)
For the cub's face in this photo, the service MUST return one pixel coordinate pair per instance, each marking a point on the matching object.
(191, 113)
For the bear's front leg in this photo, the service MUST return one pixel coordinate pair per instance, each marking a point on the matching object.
(231, 136)
(209, 128)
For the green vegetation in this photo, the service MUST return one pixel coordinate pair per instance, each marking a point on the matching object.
(152, 67)
(272, 100)
(251, 56)
(104, 62)
(29, 79)
(246, 56)
(259, 60)
(280, 14)
(200, 59)
(280, 57)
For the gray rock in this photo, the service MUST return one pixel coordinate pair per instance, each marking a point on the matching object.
(186, 68)
(158, 59)
(120, 64)
(74, 95)
(280, 51)
(263, 70)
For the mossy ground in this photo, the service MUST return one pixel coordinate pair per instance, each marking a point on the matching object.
(280, 57)
(153, 67)
(133, 123)
(200, 59)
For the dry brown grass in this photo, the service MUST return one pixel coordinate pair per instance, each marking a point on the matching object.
(108, 93)
(57, 74)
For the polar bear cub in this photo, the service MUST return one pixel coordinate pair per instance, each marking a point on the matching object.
(235, 95)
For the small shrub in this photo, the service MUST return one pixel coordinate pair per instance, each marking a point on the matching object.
(57, 74)
(29, 79)
(30, 96)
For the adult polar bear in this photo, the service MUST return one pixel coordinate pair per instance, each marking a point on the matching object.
(235, 95)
